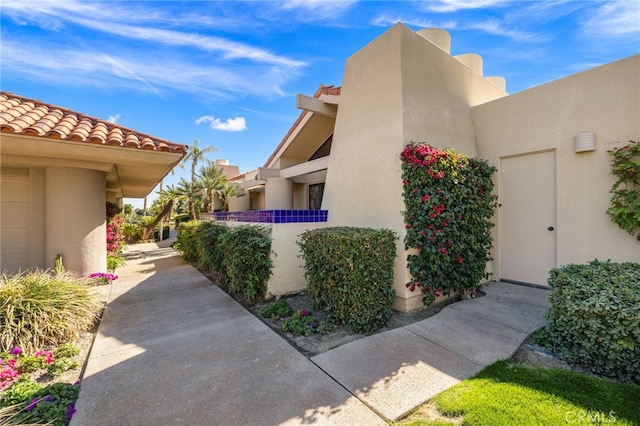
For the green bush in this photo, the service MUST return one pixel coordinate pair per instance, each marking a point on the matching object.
(132, 232)
(625, 201)
(20, 391)
(350, 274)
(449, 203)
(594, 318)
(247, 260)
(211, 253)
(53, 404)
(115, 261)
(179, 219)
(39, 309)
(277, 310)
(188, 241)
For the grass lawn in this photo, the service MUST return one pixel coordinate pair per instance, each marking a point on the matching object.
(513, 394)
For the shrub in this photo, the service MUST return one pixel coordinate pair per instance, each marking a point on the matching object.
(180, 219)
(131, 232)
(19, 392)
(114, 261)
(625, 201)
(246, 260)
(304, 323)
(594, 318)
(449, 204)
(350, 274)
(277, 310)
(53, 404)
(188, 241)
(39, 309)
(211, 253)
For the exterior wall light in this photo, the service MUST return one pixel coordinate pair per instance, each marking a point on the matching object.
(585, 141)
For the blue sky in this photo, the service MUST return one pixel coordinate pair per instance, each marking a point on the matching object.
(227, 72)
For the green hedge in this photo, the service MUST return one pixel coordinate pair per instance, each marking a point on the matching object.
(180, 219)
(350, 274)
(247, 260)
(241, 253)
(188, 241)
(594, 318)
(211, 253)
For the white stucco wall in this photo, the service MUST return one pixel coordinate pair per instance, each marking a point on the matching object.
(288, 272)
(278, 194)
(75, 220)
(605, 100)
(399, 88)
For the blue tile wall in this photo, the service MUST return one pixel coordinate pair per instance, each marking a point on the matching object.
(274, 216)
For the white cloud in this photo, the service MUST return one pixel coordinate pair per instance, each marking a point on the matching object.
(139, 70)
(387, 20)
(492, 26)
(318, 9)
(446, 6)
(95, 18)
(236, 124)
(496, 27)
(160, 52)
(614, 19)
(113, 118)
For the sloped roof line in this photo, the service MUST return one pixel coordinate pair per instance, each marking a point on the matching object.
(322, 90)
(23, 116)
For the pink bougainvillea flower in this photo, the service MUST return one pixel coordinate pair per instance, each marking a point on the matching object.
(16, 350)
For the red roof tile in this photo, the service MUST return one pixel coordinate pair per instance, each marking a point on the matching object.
(23, 116)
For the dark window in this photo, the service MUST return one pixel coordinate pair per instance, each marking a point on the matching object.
(315, 196)
(324, 150)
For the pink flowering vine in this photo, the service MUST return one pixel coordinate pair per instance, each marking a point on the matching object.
(448, 209)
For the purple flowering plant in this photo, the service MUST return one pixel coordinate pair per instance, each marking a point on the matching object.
(102, 278)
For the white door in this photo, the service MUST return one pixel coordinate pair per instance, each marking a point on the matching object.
(15, 223)
(528, 217)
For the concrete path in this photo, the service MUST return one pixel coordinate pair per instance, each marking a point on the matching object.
(174, 349)
(397, 370)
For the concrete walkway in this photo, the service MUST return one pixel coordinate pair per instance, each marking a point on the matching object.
(174, 349)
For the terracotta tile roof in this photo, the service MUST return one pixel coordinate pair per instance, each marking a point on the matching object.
(327, 90)
(24, 116)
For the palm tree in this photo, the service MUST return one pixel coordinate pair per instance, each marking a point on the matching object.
(210, 180)
(227, 192)
(195, 155)
(191, 193)
(166, 199)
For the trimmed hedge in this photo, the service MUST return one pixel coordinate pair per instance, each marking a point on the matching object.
(247, 260)
(211, 253)
(241, 253)
(188, 241)
(594, 318)
(350, 274)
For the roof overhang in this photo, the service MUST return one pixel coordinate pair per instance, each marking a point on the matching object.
(316, 122)
(130, 172)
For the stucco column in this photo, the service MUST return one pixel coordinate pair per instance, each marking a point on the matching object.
(278, 194)
(75, 222)
(239, 204)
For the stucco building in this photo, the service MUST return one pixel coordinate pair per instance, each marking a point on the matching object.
(549, 144)
(58, 168)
